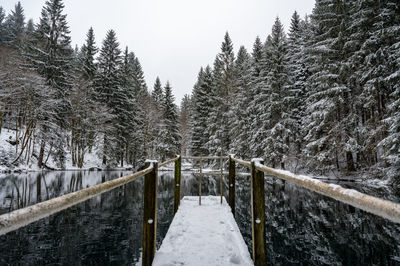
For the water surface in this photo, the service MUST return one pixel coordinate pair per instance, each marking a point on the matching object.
(303, 228)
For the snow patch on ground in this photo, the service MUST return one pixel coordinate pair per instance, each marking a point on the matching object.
(203, 235)
(8, 155)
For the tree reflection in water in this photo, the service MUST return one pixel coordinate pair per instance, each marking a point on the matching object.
(302, 227)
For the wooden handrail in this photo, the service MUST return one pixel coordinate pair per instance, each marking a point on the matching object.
(242, 162)
(204, 158)
(22, 217)
(168, 162)
(383, 208)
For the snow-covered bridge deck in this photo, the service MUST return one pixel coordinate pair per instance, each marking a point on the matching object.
(205, 234)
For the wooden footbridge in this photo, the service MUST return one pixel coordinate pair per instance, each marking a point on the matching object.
(188, 230)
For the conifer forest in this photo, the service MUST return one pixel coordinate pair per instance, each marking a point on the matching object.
(320, 96)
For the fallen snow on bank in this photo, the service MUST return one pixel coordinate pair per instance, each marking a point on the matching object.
(203, 235)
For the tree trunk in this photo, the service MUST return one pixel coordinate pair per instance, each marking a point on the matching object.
(350, 161)
(41, 154)
(337, 159)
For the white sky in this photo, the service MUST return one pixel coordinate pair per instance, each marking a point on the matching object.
(173, 38)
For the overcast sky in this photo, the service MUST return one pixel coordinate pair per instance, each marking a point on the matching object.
(173, 38)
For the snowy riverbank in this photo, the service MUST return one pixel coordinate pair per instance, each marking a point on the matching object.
(8, 153)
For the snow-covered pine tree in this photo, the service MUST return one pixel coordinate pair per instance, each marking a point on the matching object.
(329, 96)
(254, 97)
(157, 93)
(196, 143)
(156, 120)
(88, 116)
(201, 109)
(363, 17)
(391, 142)
(241, 127)
(171, 137)
(185, 124)
(224, 83)
(15, 25)
(108, 88)
(215, 123)
(30, 27)
(298, 79)
(2, 25)
(130, 109)
(144, 115)
(275, 143)
(89, 51)
(50, 54)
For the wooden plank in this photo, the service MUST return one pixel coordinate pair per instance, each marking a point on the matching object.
(203, 235)
(177, 190)
(231, 184)
(150, 215)
(258, 214)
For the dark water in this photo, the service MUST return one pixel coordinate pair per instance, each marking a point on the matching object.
(303, 228)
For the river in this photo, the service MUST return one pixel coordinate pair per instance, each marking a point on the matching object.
(303, 228)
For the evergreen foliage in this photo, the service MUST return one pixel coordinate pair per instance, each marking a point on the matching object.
(65, 103)
(324, 98)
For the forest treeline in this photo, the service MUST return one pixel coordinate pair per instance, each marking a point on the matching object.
(323, 97)
(65, 102)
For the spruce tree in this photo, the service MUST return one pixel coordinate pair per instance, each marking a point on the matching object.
(2, 25)
(391, 142)
(156, 116)
(275, 143)
(224, 100)
(50, 54)
(157, 93)
(108, 87)
(329, 94)
(241, 129)
(185, 124)
(30, 27)
(89, 51)
(144, 108)
(15, 25)
(254, 96)
(171, 137)
(202, 107)
(298, 80)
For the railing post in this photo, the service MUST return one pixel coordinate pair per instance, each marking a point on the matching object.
(201, 174)
(221, 188)
(150, 214)
(232, 184)
(258, 213)
(177, 194)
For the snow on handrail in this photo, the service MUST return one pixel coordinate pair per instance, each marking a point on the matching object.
(383, 208)
(204, 157)
(22, 217)
(168, 162)
(245, 163)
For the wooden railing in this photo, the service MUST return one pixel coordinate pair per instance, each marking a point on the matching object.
(22, 217)
(383, 208)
